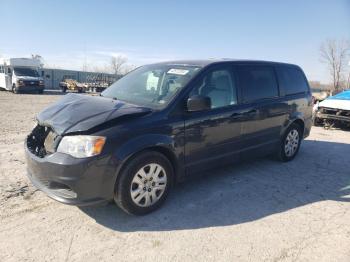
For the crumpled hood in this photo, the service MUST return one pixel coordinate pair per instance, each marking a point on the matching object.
(77, 113)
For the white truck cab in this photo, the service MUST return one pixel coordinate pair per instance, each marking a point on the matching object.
(21, 74)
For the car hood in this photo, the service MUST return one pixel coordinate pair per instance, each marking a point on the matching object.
(29, 78)
(339, 101)
(78, 113)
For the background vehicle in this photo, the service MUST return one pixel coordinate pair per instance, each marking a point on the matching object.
(99, 82)
(333, 111)
(161, 123)
(70, 83)
(21, 74)
(319, 94)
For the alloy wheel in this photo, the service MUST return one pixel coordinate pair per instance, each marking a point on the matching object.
(291, 143)
(148, 185)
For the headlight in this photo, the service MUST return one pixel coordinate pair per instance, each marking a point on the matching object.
(81, 146)
(20, 82)
(41, 82)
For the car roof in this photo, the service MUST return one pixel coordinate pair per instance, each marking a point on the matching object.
(207, 62)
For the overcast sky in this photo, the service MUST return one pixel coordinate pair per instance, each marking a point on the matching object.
(67, 33)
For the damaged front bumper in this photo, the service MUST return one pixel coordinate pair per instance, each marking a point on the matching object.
(332, 115)
(70, 180)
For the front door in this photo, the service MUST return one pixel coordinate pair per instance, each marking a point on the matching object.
(212, 136)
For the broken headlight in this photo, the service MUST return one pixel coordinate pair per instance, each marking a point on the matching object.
(81, 146)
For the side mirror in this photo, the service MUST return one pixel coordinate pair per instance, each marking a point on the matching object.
(198, 103)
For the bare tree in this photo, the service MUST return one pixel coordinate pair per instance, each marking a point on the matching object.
(335, 53)
(117, 64)
(127, 68)
(39, 58)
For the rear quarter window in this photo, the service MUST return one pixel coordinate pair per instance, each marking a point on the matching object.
(257, 82)
(292, 80)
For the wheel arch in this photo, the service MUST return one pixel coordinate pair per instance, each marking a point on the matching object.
(161, 144)
(300, 123)
(298, 119)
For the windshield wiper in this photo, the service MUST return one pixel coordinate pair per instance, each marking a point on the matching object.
(113, 97)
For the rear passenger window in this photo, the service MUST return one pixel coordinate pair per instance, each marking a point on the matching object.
(292, 80)
(257, 82)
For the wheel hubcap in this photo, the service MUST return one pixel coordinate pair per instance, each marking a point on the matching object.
(148, 185)
(291, 143)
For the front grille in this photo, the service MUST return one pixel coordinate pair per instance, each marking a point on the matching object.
(30, 83)
(42, 141)
(333, 111)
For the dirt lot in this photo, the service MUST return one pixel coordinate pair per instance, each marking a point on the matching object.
(261, 210)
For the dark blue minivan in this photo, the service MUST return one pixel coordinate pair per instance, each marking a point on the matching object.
(163, 122)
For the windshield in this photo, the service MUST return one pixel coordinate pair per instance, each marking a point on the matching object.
(25, 71)
(151, 86)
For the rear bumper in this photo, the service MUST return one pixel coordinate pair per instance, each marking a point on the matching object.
(71, 180)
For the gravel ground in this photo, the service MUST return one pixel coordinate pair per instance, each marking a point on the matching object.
(260, 210)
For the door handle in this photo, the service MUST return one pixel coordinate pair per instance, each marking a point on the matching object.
(252, 112)
(236, 115)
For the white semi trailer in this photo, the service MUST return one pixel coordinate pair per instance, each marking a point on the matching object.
(21, 75)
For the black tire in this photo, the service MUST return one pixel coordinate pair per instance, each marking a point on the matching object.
(122, 196)
(40, 92)
(282, 154)
(15, 89)
(316, 121)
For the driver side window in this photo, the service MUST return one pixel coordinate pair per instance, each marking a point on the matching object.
(219, 86)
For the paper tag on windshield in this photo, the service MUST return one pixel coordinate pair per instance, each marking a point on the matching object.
(177, 71)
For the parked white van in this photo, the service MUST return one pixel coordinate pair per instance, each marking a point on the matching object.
(21, 74)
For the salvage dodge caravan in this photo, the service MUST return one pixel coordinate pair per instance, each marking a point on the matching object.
(163, 122)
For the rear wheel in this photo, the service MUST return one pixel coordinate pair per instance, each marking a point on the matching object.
(144, 183)
(290, 143)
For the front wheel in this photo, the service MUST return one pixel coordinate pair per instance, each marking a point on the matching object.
(316, 121)
(15, 89)
(144, 183)
(290, 143)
